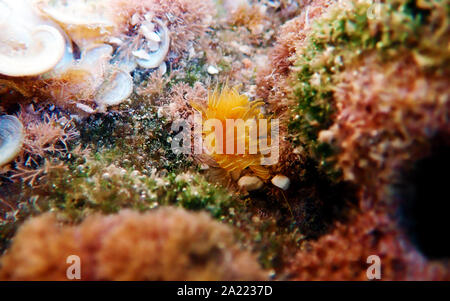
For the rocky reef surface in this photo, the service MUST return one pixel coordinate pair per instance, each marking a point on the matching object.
(91, 93)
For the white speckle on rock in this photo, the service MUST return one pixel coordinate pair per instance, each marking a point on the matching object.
(213, 70)
(85, 108)
(250, 183)
(160, 112)
(162, 69)
(281, 181)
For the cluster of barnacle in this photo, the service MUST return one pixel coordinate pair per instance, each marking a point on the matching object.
(81, 56)
(362, 92)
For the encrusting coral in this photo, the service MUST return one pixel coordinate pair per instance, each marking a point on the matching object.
(167, 244)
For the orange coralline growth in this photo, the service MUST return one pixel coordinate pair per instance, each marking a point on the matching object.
(342, 254)
(387, 116)
(251, 16)
(167, 244)
(45, 135)
(229, 105)
(76, 85)
(178, 103)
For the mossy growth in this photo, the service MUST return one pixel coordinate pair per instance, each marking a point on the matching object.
(136, 137)
(94, 184)
(418, 29)
(189, 72)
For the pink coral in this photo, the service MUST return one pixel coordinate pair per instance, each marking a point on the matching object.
(342, 254)
(387, 116)
(168, 244)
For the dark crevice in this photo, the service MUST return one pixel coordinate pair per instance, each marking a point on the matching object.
(425, 203)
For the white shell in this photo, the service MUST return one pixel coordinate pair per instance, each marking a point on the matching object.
(115, 89)
(162, 69)
(97, 53)
(115, 41)
(86, 21)
(147, 29)
(250, 183)
(11, 138)
(141, 54)
(154, 59)
(213, 70)
(73, 13)
(281, 181)
(85, 108)
(27, 47)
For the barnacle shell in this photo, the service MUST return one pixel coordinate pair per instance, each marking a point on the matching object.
(155, 59)
(28, 46)
(96, 57)
(115, 89)
(11, 138)
(86, 22)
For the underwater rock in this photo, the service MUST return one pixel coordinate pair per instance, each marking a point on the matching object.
(388, 116)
